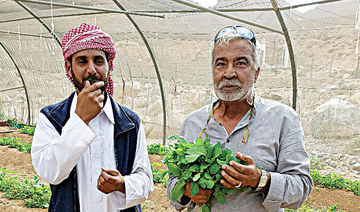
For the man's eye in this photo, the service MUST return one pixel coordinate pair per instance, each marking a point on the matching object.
(81, 61)
(220, 64)
(99, 61)
(242, 63)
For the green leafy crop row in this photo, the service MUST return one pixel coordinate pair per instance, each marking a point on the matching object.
(14, 142)
(304, 208)
(159, 175)
(157, 149)
(28, 130)
(335, 181)
(200, 164)
(34, 194)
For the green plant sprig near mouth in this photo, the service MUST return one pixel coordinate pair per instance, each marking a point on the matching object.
(200, 164)
(92, 79)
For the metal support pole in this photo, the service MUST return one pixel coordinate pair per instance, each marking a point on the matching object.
(23, 34)
(56, 16)
(152, 55)
(89, 8)
(291, 51)
(239, 9)
(225, 15)
(40, 20)
(10, 89)
(22, 80)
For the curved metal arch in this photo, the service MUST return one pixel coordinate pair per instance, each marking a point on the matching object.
(40, 20)
(22, 80)
(152, 55)
(216, 12)
(290, 49)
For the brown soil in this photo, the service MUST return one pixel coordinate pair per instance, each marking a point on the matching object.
(14, 160)
(18, 161)
(15, 205)
(157, 159)
(345, 200)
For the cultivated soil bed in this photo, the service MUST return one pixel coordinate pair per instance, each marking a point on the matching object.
(15, 160)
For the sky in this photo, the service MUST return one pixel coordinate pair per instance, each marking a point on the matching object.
(302, 9)
(212, 3)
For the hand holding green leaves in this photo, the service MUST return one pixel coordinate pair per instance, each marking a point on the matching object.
(196, 194)
(200, 164)
(236, 173)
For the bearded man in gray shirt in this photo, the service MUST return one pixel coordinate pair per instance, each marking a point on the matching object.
(262, 132)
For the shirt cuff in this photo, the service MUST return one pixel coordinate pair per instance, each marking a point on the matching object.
(85, 133)
(131, 197)
(118, 199)
(275, 195)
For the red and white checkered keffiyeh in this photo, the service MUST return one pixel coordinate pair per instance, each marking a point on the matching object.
(88, 36)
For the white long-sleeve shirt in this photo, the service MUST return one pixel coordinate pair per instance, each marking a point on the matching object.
(90, 148)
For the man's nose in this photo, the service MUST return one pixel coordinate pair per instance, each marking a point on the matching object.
(91, 68)
(230, 72)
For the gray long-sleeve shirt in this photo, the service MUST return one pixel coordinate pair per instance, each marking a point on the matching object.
(276, 142)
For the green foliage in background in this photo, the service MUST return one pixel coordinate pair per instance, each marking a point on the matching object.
(159, 175)
(28, 130)
(335, 181)
(304, 208)
(34, 194)
(157, 149)
(14, 142)
(200, 164)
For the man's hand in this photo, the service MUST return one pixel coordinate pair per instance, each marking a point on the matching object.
(90, 101)
(110, 180)
(248, 174)
(200, 198)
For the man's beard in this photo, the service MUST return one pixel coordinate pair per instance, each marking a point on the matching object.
(241, 93)
(91, 78)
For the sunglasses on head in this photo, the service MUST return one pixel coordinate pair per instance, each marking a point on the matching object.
(240, 30)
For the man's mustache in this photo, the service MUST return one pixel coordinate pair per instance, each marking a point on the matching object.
(232, 82)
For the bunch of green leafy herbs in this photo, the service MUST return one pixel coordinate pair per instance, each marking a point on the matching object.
(200, 164)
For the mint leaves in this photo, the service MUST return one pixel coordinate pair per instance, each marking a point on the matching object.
(200, 164)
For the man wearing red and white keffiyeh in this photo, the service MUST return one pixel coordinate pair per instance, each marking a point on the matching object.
(90, 149)
(89, 37)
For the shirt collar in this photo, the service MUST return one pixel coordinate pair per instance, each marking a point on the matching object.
(247, 115)
(107, 108)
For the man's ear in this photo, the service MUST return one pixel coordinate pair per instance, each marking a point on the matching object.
(257, 72)
(68, 67)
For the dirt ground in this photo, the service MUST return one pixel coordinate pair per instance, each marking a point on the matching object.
(158, 201)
